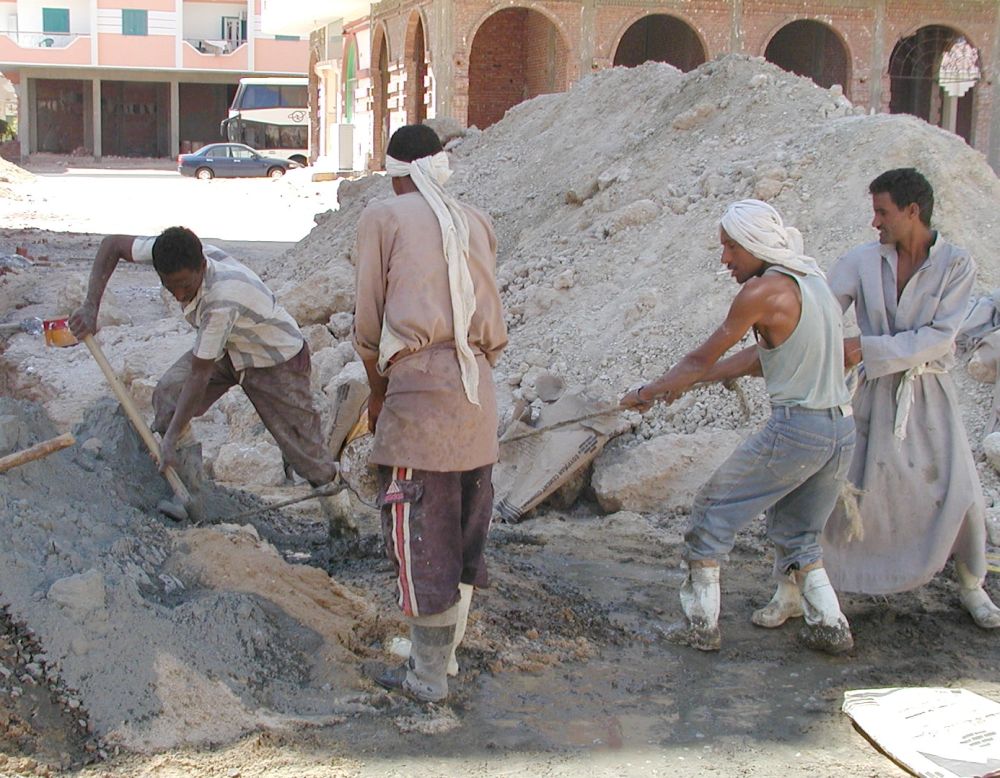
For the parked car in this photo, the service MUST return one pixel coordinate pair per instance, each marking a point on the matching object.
(228, 160)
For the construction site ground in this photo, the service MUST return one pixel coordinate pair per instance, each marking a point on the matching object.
(565, 670)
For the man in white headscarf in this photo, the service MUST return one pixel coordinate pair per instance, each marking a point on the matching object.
(428, 326)
(794, 468)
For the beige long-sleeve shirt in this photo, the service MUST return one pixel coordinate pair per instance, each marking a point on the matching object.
(402, 286)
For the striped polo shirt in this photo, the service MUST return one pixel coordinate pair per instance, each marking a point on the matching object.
(235, 313)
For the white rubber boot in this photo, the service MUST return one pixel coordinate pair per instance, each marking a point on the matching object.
(784, 605)
(464, 603)
(826, 626)
(401, 646)
(975, 599)
(700, 601)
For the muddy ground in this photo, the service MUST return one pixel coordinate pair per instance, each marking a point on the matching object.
(564, 670)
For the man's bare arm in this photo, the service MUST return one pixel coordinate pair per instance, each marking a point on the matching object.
(378, 384)
(742, 363)
(747, 309)
(192, 393)
(83, 321)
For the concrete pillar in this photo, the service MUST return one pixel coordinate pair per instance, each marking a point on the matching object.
(26, 116)
(95, 112)
(949, 113)
(736, 27)
(444, 46)
(179, 34)
(991, 81)
(588, 38)
(879, 63)
(175, 119)
(251, 34)
(94, 49)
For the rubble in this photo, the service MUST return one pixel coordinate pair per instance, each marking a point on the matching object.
(662, 474)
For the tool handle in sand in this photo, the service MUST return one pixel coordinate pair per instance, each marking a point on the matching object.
(180, 490)
(323, 491)
(37, 451)
(559, 424)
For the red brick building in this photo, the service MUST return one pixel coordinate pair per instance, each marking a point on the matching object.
(473, 59)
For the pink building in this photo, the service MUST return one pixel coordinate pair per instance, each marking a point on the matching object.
(134, 77)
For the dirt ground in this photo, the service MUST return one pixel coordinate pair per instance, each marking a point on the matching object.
(564, 670)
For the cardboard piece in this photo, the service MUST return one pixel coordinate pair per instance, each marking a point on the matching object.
(530, 469)
(933, 732)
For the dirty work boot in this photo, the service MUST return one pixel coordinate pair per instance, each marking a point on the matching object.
(826, 627)
(424, 676)
(784, 605)
(401, 646)
(465, 602)
(700, 603)
(975, 599)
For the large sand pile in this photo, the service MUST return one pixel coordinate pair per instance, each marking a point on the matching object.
(165, 637)
(606, 201)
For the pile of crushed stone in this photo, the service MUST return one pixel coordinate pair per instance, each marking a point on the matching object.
(163, 636)
(607, 220)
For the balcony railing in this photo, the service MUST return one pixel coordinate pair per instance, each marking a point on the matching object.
(43, 40)
(215, 46)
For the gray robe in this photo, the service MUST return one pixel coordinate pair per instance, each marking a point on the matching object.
(922, 500)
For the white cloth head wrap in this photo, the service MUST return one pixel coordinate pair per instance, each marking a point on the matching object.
(429, 175)
(758, 228)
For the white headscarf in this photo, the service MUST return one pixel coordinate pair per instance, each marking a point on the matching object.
(758, 228)
(429, 175)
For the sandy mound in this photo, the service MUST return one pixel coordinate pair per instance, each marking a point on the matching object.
(607, 219)
(166, 637)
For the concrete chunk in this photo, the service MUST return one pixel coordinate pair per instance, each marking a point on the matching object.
(662, 474)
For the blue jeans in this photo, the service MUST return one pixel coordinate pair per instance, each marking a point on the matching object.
(793, 469)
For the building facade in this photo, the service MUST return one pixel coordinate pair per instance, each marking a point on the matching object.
(149, 78)
(471, 60)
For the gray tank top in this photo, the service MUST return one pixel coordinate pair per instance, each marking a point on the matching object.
(808, 368)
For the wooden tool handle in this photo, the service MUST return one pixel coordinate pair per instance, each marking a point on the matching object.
(180, 490)
(37, 451)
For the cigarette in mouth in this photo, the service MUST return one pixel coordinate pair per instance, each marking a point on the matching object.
(721, 272)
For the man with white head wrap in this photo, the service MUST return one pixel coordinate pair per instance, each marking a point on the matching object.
(794, 468)
(920, 498)
(429, 326)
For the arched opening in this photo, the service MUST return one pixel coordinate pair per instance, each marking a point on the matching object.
(517, 54)
(416, 71)
(660, 38)
(811, 49)
(380, 96)
(933, 75)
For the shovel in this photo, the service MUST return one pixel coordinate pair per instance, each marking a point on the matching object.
(181, 493)
(32, 326)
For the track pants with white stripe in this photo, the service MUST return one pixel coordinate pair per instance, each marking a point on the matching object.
(435, 527)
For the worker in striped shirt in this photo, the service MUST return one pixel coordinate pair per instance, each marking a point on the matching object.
(243, 336)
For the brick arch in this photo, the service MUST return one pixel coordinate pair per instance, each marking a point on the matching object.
(837, 35)
(416, 57)
(917, 91)
(611, 51)
(380, 93)
(470, 36)
(515, 53)
(909, 32)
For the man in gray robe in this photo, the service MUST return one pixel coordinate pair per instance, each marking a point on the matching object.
(921, 501)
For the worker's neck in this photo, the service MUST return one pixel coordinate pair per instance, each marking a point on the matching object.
(403, 185)
(917, 246)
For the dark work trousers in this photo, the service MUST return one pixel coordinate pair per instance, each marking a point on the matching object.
(435, 527)
(282, 395)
